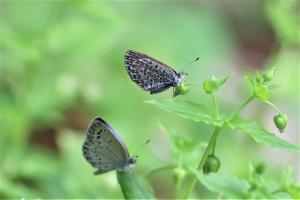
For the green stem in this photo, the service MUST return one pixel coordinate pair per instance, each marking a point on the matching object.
(273, 106)
(203, 159)
(238, 109)
(213, 148)
(214, 99)
(131, 186)
(179, 180)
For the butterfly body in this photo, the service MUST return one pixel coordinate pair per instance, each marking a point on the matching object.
(104, 149)
(150, 74)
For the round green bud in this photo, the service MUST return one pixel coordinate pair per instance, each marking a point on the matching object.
(181, 90)
(179, 173)
(260, 168)
(268, 76)
(280, 122)
(212, 164)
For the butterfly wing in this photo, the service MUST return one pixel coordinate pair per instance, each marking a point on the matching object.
(103, 148)
(149, 73)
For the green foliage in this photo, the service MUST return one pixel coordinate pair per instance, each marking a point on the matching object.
(188, 110)
(201, 113)
(231, 187)
(255, 185)
(209, 162)
(260, 135)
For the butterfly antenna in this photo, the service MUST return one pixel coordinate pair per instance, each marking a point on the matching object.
(190, 63)
(139, 149)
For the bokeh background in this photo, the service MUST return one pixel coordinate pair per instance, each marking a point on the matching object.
(62, 65)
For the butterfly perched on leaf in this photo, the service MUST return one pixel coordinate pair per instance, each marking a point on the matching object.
(150, 74)
(104, 149)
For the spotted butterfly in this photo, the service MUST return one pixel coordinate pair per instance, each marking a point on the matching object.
(150, 74)
(104, 149)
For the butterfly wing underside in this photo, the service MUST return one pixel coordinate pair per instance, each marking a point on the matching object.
(149, 73)
(103, 148)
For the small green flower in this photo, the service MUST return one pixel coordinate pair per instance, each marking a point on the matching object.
(213, 84)
(210, 86)
(212, 164)
(280, 122)
(181, 90)
(261, 91)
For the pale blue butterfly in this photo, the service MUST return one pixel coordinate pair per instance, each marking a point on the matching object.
(104, 149)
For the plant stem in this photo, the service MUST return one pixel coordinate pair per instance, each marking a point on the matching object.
(131, 186)
(203, 159)
(213, 148)
(238, 109)
(273, 106)
(214, 99)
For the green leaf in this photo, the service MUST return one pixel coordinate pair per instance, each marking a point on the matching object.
(231, 187)
(131, 187)
(189, 110)
(260, 135)
(273, 86)
(180, 143)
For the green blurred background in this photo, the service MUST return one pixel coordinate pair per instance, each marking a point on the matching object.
(62, 65)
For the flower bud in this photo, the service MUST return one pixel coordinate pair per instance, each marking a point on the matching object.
(260, 168)
(210, 86)
(179, 173)
(213, 84)
(181, 89)
(280, 122)
(212, 164)
(268, 76)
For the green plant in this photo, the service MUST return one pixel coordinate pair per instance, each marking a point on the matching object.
(261, 85)
(255, 185)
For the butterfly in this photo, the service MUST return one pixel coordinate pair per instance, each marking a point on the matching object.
(150, 74)
(104, 149)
